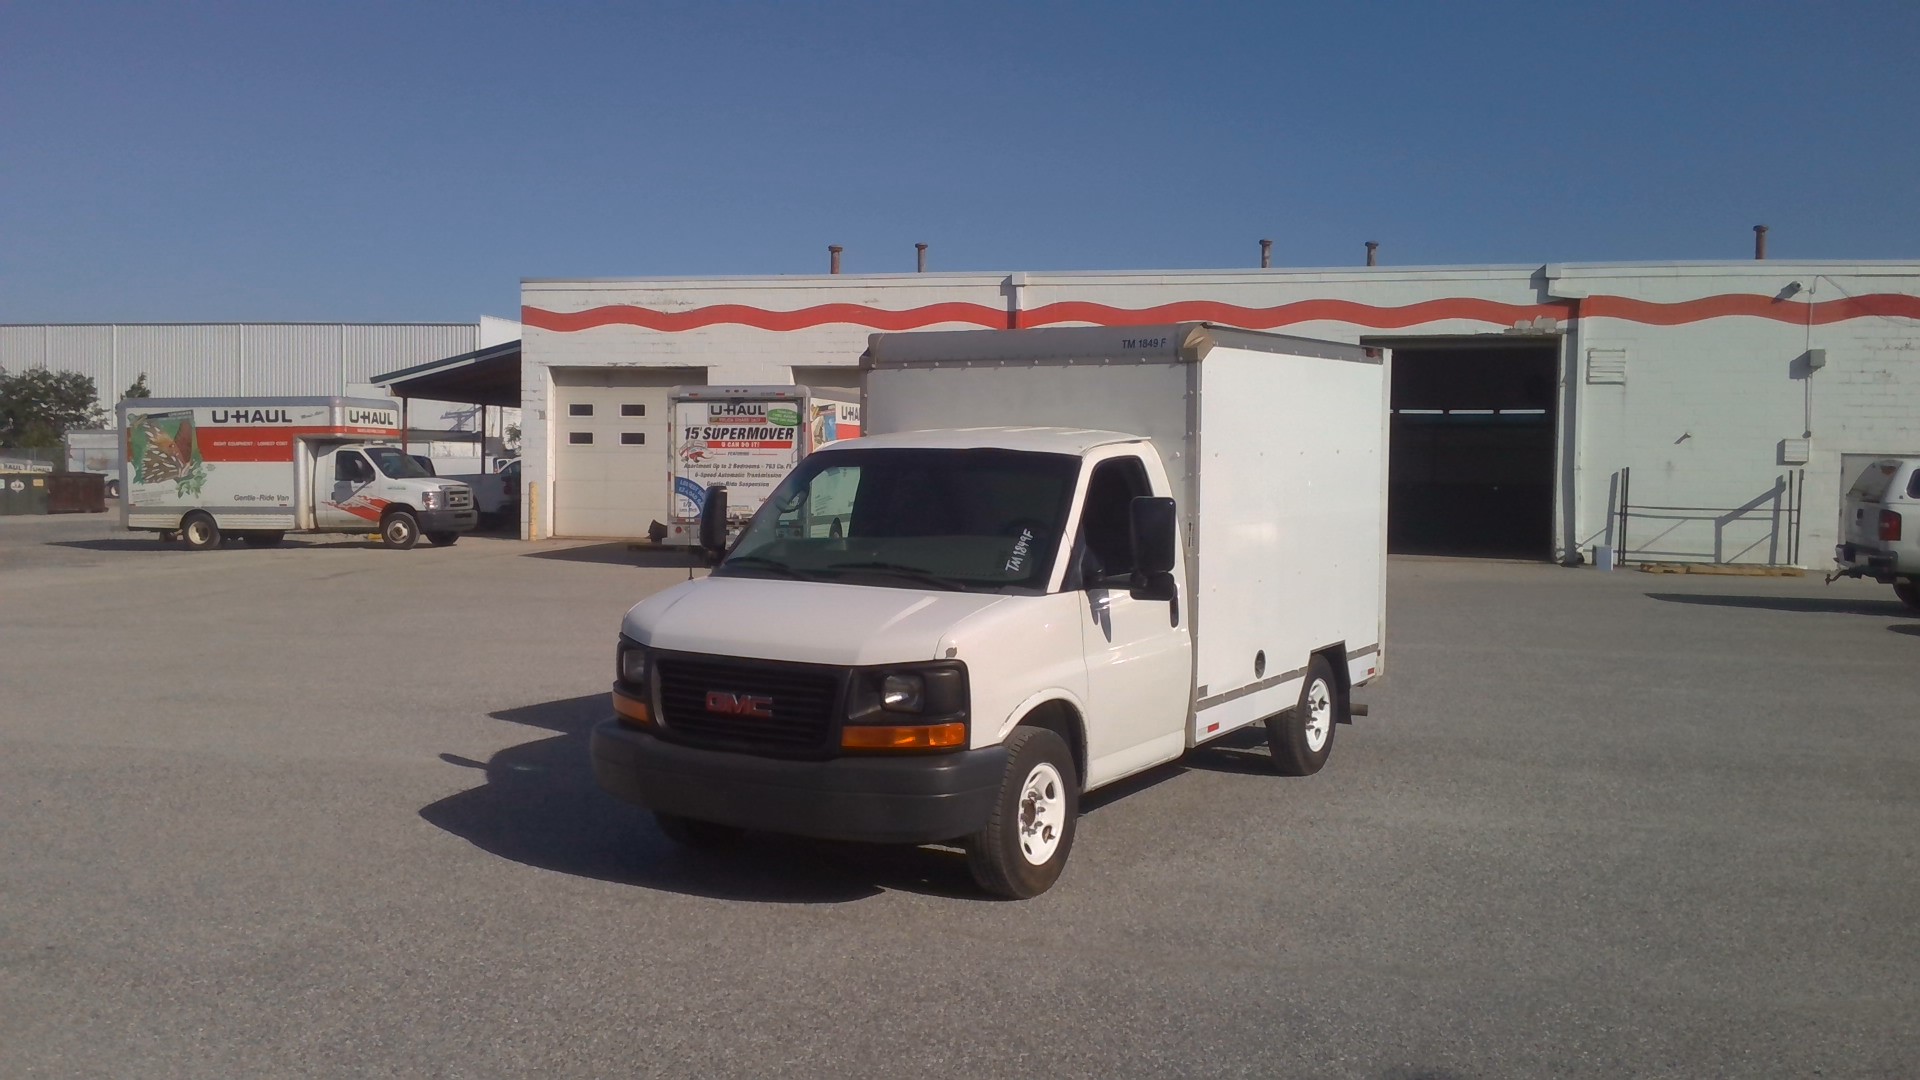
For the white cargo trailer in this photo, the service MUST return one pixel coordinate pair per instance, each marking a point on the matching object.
(204, 469)
(1058, 558)
(745, 439)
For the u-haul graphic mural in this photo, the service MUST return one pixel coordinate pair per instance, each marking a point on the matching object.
(747, 439)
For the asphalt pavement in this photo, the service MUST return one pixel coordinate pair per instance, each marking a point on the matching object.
(325, 810)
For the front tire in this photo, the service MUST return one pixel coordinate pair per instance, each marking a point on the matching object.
(400, 530)
(1302, 737)
(200, 532)
(442, 539)
(1909, 593)
(1024, 846)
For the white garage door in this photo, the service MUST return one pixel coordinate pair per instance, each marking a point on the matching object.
(610, 442)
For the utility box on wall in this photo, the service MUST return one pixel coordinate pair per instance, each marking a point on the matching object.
(1795, 451)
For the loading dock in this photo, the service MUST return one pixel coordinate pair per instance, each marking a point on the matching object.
(1471, 448)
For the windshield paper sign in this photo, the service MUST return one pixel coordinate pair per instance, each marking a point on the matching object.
(748, 446)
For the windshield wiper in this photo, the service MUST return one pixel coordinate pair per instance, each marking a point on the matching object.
(911, 573)
(761, 562)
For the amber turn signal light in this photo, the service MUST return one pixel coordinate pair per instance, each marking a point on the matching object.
(632, 711)
(906, 737)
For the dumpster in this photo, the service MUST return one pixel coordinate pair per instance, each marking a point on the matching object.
(77, 493)
(23, 493)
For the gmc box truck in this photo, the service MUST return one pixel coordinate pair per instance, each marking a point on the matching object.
(208, 469)
(745, 439)
(1057, 558)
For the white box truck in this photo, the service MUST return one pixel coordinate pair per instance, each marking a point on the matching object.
(1057, 558)
(206, 469)
(746, 439)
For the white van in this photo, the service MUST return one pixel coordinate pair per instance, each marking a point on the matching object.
(948, 632)
(1880, 528)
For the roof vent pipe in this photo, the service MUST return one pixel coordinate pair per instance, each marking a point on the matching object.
(833, 258)
(1759, 241)
(1373, 253)
(920, 251)
(1266, 254)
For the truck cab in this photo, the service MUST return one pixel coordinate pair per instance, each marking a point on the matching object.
(361, 484)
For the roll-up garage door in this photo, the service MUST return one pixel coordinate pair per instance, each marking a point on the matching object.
(610, 444)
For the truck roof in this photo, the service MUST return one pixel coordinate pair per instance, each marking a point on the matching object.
(1042, 440)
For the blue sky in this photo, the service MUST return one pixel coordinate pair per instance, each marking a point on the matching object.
(413, 161)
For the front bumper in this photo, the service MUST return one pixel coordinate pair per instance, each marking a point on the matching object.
(448, 520)
(917, 799)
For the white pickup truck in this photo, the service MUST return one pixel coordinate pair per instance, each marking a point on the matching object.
(1880, 528)
(944, 632)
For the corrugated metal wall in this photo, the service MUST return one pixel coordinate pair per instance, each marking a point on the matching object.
(252, 359)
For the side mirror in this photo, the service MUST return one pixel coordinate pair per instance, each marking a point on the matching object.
(713, 522)
(1153, 527)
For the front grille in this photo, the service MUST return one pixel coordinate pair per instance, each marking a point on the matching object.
(459, 498)
(805, 700)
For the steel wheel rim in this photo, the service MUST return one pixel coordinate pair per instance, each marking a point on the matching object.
(396, 531)
(1319, 718)
(1041, 815)
(197, 532)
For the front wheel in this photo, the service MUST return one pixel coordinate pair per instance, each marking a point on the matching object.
(200, 532)
(400, 530)
(1908, 592)
(1024, 846)
(1302, 738)
(442, 539)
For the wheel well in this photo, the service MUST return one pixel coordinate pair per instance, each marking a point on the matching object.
(391, 509)
(1063, 720)
(1336, 658)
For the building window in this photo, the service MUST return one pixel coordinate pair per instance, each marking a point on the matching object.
(580, 410)
(633, 438)
(580, 438)
(633, 410)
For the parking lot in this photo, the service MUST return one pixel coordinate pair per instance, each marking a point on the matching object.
(325, 810)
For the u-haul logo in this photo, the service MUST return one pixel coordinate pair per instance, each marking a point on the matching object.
(373, 417)
(250, 416)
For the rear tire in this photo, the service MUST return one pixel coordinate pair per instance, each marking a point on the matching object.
(1302, 737)
(698, 835)
(199, 531)
(1909, 593)
(269, 538)
(442, 539)
(1024, 846)
(400, 530)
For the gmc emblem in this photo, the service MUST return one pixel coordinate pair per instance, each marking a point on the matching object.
(727, 704)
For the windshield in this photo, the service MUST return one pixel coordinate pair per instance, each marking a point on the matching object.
(396, 465)
(975, 520)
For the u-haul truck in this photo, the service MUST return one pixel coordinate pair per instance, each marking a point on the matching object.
(207, 469)
(745, 439)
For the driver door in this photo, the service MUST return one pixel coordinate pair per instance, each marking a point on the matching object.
(1139, 653)
(343, 480)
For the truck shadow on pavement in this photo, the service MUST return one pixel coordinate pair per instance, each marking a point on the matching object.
(622, 553)
(541, 807)
(1810, 604)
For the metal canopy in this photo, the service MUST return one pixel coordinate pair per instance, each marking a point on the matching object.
(489, 376)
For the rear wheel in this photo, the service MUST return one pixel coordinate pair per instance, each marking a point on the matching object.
(442, 539)
(704, 835)
(268, 538)
(1024, 846)
(200, 532)
(1302, 737)
(400, 529)
(1908, 592)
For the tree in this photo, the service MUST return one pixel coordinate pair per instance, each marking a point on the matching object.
(511, 437)
(37, 406)
(138, 389)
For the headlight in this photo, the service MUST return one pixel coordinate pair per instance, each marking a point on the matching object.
(430, 500)
(903, 693)
(630, 664)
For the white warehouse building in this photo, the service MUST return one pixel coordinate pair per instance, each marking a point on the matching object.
(1671, 411)
(269, 360)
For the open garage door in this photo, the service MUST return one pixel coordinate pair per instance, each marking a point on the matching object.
(610, 443)
(1471, 458)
